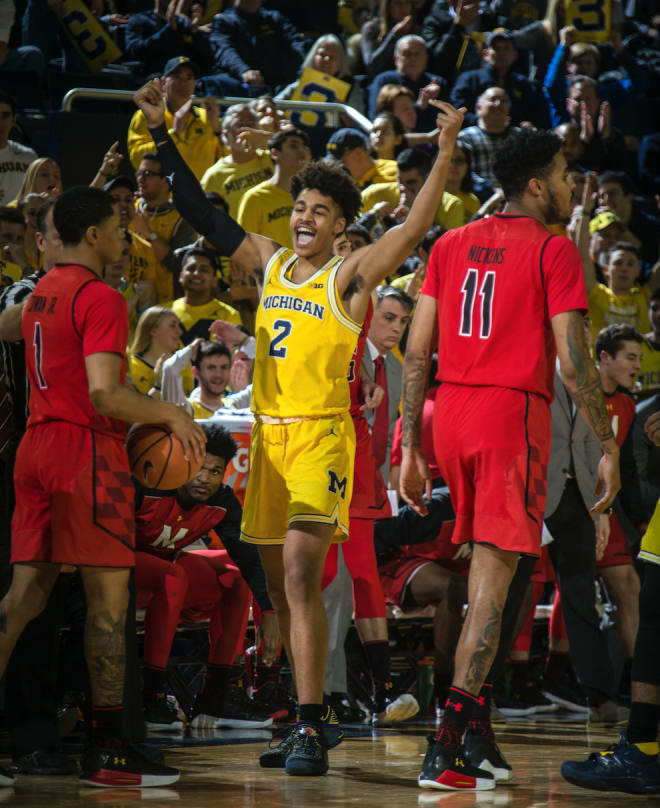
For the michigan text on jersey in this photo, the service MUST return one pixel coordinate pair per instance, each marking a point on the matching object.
(295, 303)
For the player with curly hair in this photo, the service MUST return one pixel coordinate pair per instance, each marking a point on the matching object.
(303, 441)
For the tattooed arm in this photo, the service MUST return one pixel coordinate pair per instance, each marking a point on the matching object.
(415, 477)
(581, 378)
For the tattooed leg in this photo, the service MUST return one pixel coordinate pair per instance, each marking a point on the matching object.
(106, 591)
(491, 571)
(27, 597)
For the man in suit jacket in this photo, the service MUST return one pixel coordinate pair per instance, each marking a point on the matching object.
(572, 479)
(390, 319)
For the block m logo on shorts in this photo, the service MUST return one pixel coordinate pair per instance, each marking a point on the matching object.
(337, 485)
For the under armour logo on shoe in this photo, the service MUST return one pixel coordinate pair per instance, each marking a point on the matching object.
(459, 762)
(456, 705)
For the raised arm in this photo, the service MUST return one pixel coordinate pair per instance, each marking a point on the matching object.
(375, 262)
(415, 477)
(581, 378)
(249, 250)
(578, 231)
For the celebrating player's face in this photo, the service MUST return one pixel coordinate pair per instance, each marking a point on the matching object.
(208, 479)
(315, 222)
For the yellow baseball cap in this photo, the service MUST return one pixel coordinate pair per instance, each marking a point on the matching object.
(602, 220)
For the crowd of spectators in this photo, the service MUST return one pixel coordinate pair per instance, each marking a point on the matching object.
(509, 64)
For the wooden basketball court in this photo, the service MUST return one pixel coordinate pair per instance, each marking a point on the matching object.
(370, 769)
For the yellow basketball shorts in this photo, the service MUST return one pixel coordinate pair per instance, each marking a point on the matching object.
(650, 549)
(299, 472)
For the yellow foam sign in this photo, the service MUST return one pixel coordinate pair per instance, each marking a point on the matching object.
(592, 19)
(90, 39)
(317, 86)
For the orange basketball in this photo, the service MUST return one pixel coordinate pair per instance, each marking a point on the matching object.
(156, 457)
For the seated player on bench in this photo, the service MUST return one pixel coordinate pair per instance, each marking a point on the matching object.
(175, 580)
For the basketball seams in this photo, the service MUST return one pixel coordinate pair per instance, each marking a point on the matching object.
(166, 460)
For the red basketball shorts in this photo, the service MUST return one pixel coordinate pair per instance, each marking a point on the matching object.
(364, 473)
(492, 445)
(74, 498)
(616, 553)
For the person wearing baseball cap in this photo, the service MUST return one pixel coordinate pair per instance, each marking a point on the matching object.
(527, 101)
(195, 130)
(351, 147)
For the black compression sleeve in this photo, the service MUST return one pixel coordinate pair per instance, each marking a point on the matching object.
(189, 199)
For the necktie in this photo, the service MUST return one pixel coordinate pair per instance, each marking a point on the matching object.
(381, 425)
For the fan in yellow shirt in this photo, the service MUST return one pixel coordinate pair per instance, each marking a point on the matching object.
(157, 336)
(622, 300)
(244, 167)
(413, 167)
(351, 147)
(194, 130)
(459, 180)
(266, 208)
(197, 309)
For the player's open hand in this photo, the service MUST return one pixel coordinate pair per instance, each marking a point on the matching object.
(150, 99)
(609, 482)
(415, 480)
(189, 432)
(448, 120)
(269, 633)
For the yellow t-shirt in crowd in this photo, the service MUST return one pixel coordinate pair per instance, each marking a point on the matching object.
(200, 410)
(198, 144)
(450, 213)
(196, 320)
(164, 224)
(649, 374)
(142, 374)
(11, 270)
(231, 180)
(606, 308)
(471, 204)
(382, 171)
(266, 210)
(143, 264)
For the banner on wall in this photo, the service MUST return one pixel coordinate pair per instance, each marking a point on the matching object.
(90, 39)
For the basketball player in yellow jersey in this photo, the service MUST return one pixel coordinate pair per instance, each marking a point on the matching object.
(302, 443)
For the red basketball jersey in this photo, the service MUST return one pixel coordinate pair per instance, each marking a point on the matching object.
(354, 384)
(621, 410)
(70, 315)
(498, 281)
(162, 526)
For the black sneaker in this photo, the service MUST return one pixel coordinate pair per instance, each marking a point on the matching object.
(308, 755)
(482, 751)
(124, 767)
(511, 705)
(159, 713)
(565, 694)
(528, 693)
(234, 709)
(449, 770)
(43, 761)
(275, 756)
(622, 767)
(345, 710)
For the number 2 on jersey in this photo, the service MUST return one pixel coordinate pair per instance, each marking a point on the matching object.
(277, 350)
(486, 291)
(38, 355)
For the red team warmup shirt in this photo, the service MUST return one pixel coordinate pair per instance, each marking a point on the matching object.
(498, 282)
(74, 496)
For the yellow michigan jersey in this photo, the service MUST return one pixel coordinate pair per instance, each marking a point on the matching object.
(649, 374)
(143, 378)
(305, 341)
(650, 549)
